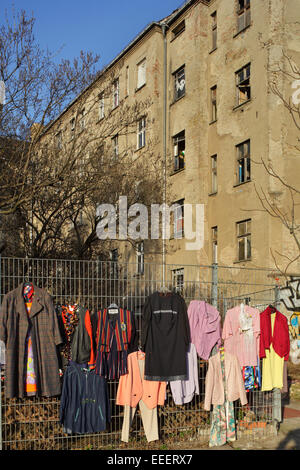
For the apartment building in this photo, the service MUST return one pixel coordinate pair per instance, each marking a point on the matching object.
(212, 120)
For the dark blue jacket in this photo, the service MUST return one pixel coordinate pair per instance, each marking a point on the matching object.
(84, 405)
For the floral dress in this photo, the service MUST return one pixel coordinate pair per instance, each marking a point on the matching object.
(223, 423)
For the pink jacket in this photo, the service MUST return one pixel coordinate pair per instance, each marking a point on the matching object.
(214, 388)
(133, 388)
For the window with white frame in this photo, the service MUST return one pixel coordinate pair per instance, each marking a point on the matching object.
(179, 83)
(214, 235)
(178, 280)
(243, 87)
(101, 105)
(214, 174)
(243, 162)
(179, 151)
(141, 133)
(244, 240)
(140, 257)
(178, 218)
(243, 14)
(141, 74)
(116, 93)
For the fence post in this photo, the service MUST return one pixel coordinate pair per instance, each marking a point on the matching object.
(277, 415)
(215, 284)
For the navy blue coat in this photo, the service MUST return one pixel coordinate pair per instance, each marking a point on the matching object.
(84, 405)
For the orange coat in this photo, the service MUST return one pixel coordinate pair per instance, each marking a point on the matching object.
(132, 388)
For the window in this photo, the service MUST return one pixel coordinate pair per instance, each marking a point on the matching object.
(244, 239)
(179, 151)
(141, 74)
(214, 31)
(214, 235)
(243, 162)
(213, 99)
(58, 140)
(140, 257)
(116, 93)
(101, 105)
(179, 83)
(141, 133)
(114, 255)
(178, 280)
(214, 179)
(178, 29)
(115, 146)
(179, 218)
(243, 89)
(243, 14)
(82, 120)
(127, 81)
(72, 128)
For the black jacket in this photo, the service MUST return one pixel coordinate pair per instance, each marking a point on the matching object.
(165, 337)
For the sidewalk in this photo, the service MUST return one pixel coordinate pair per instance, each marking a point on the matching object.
(287, 438)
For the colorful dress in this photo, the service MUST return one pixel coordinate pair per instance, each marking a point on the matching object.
(272, 367)
(30, 377)
(223, 422)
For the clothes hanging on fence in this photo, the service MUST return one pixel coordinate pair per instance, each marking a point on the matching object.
(116, 337)
(84, 405)
(183, 391)
(45, 334)
(205, 327)
(222, 428)
(274, 348)
(82, 344)
(214, 386)
(68, 320)
(134, 390)
(241, 334)
(165, 337)
(30, 376)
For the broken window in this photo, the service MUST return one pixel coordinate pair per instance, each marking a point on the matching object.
(243, 88)
(214, 181)
(179, 151)
(141, 133)
(178, 29)
(179, 83)
(214, 30)
(244, 239)
(214, 231)
(213, 98)
(243, 14)
(243, 162)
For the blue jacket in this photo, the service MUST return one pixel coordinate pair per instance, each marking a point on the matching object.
(84, 405)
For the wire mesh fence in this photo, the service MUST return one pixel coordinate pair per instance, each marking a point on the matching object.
(32, 423)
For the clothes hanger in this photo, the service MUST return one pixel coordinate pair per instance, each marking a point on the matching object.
(273, 309)
(113, 306)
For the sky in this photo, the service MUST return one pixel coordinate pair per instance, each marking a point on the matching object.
(102, 27)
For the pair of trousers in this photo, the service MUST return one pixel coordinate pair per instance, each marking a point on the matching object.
(149, 419)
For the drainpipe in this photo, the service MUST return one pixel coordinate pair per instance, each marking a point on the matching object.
(164, 28)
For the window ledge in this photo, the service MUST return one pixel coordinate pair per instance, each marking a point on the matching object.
(177, 99)
(213, 50)
(242, 261)
(139, 88)
(238, 106)
(177, 35)
(213, 194)
(242, 183)
(100, 120)
(139, 148)
(175, 172)
(212, 122)
(242, 30)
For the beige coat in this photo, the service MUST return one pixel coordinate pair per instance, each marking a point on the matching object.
(214, 388)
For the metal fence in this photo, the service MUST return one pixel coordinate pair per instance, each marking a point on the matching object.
(32, 423)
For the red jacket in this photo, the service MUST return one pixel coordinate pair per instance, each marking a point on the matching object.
(280, 338)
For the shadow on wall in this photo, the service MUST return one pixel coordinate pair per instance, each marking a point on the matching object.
(291, 441)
